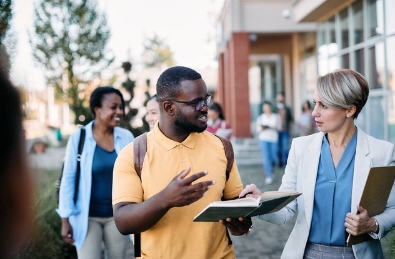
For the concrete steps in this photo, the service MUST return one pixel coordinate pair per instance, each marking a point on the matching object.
(247, 152)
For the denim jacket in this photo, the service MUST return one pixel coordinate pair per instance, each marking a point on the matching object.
(78, 212)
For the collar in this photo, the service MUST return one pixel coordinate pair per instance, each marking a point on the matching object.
(189, 142)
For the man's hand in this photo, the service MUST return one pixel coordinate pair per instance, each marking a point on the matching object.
(181, 192)
(238, 227)
(360, 223)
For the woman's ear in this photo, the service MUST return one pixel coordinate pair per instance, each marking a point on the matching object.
(351, 111)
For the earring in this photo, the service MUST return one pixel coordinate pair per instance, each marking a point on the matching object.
(348, 115)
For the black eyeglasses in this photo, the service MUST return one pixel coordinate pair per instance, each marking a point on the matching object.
(198, 103)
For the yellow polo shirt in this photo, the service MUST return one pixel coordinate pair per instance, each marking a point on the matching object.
(176, 235)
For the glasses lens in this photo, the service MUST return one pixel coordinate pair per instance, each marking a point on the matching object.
(206, 101)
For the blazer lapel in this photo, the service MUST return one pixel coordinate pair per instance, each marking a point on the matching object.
(361, 169)
(309, 168)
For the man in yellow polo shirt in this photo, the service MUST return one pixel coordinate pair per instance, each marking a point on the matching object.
(183, 171)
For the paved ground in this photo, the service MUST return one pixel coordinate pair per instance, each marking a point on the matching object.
(266, 240)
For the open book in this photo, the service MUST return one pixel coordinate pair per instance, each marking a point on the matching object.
(270, 201)
(375, 196)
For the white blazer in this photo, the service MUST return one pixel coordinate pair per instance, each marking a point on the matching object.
(301, 173)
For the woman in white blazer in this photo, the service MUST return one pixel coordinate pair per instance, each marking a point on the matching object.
(330, 169)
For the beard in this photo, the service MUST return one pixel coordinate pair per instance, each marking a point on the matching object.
(182, 122)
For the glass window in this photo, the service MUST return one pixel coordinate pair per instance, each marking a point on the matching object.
(332, 46)
(344, 28)
(389, 16)
(358, 22)
(346, 61)
(334, 63)
(321, 40)
(390, 53)
(360, 61)
(376, 66)
(376, 116)
(375, 17)
(322, 66)
(391, 117)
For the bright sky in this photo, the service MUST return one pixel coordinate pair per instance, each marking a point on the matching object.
(185, 25)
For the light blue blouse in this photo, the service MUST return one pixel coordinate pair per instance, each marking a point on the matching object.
(78, 212)
(332, 195)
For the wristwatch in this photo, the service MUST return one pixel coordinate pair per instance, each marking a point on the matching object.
(249, 230)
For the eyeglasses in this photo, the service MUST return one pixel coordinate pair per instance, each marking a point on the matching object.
(198, 103)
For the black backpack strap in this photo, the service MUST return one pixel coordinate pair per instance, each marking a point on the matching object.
(78, 173)
(229, 155)
(139, 149)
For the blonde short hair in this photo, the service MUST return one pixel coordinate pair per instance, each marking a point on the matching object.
(342, 89)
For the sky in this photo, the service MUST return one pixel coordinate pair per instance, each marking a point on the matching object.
(185, 25)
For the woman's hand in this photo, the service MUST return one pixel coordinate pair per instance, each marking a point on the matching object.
(67, 231)
(250, 191)
(358, 224)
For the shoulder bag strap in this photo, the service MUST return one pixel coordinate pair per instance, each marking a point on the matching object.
(78, 173)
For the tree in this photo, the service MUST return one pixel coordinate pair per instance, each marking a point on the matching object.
(70, 42)
(157, 53)
(5, 18)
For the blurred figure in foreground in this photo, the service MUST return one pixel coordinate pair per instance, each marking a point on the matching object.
(216, 123)
(152, 115)
(330, 169)
(16, 181)
(88, 221)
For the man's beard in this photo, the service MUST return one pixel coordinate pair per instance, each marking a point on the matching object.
(182, 123)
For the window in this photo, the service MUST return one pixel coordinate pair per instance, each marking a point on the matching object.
(377, 66)
(344, 32)
(358, 22)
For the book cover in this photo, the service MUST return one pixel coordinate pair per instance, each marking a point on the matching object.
(374, 196)
(268, 202)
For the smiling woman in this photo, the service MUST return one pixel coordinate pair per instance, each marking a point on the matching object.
(91, 215)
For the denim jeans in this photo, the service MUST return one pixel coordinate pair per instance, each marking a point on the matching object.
(283, 147)
(269, 152)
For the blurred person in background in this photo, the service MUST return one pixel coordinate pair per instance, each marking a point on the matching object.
(152, 115)
(306, 124)
(16, 181)
(216, 123)
(268, 125)
(286, 125)
(89, 221)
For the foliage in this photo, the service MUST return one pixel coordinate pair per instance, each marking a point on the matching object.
(70, 43)
(157, 53)
(46, 241)
(7, 39)
(5, 18)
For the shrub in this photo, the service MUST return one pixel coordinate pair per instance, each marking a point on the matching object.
(46, 241)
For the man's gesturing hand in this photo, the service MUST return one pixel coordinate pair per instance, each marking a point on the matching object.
(180, 191)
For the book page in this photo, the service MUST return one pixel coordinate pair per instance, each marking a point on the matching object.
(245, 202)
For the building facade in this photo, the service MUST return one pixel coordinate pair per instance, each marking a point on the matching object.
(269, 46)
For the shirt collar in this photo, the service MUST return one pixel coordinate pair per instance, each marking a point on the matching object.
(189, 142)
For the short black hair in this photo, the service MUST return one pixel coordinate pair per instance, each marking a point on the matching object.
(97, 98)
(169, 82)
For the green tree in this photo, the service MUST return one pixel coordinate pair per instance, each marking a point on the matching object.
(70, 42)
(157, 53)
(5, 18)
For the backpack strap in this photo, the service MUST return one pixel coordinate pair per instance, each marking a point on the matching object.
(139, 148)
(229, 155)
(78, 172)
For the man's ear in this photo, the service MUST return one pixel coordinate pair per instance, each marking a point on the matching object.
(168, 107)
